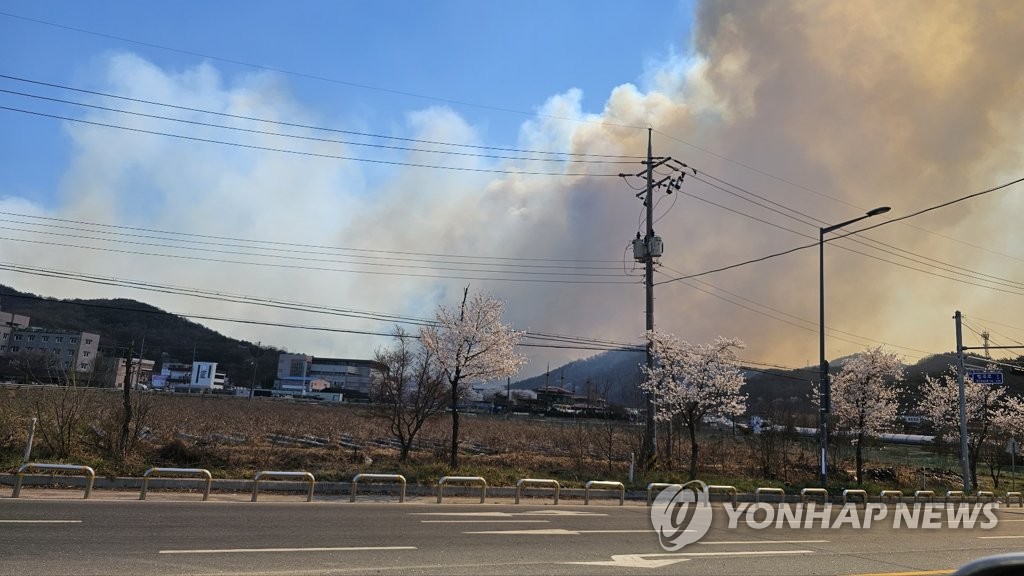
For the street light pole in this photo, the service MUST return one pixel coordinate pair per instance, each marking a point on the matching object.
(824, 383)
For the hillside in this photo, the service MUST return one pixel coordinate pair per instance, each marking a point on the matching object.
(616, 374)
(120, 322)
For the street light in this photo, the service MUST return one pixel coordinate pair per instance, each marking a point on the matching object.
(824, 385)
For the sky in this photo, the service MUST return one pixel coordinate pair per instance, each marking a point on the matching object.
(371, 160)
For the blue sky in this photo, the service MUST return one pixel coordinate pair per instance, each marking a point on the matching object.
(491, 55)
(795, 114)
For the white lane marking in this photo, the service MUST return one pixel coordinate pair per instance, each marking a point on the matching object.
(559, 513)
(766, 542)
(560, 532)
(543, 532)
(247, 550)
(508, 514)
(485, 521)
(999, 537)
(40, 521)
(491, 514)
(647, 560)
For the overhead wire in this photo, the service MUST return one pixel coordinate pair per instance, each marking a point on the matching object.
(841, 236)
(592, 343)
(290, 257)
(293, 244)
(867, 242)
(564, 158)
(307, 153)
(322, 269)
(314, 76)
(783, 320)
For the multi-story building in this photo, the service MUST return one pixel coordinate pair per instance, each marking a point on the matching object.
(61, 349)
(189, 377)
(299, 373)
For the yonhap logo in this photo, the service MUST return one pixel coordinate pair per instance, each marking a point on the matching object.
(681, 513)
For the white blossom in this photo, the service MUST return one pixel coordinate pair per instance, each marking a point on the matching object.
(691, 380)
(864, 393)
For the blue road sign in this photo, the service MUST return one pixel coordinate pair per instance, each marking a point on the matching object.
(986, 376)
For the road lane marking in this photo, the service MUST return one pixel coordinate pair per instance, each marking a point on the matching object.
(916, 573)
(766, 542)
(661, 560)
(509, 514)
(248, 550)
(999, 537)
(40, 521)
(485, 521)
(561, 532)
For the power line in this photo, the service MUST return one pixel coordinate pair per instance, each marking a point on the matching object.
(783, 320)
(303, 153)
(314, 76)
(315, 139)
(282, 250)
(307, 259)
(318, 269)
(291, 244)
(838, 237)
(281, 304)
(866, 242)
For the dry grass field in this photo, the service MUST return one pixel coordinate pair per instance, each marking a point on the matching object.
(236, 437)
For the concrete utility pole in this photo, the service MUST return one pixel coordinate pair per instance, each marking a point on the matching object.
(965, 464)
(651, 433)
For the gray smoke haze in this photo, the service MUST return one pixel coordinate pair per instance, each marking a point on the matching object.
(860, 104)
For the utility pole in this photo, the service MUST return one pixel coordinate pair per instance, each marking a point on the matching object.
(127, 403)
(646, 249)
(651, 433)
(964, 455)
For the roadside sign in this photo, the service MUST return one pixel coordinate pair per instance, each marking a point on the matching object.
(986, 376)
(1012, 446)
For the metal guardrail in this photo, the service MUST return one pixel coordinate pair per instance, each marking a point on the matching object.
(657, 486)
(281, 475)
(604, 485)
(862, 494)
(885, 495)
(386, 477)
(922, 494)
(478, 480)
(1015, 496)
(85, 470)
(721, 488)
(769, 490)
(808, 493)
(521, 484)
(955, 494)
(177, 472)
(990, 496)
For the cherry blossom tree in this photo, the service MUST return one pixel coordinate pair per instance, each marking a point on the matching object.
(471, 344)
(864, 401)
(940, 403)
(692, 380)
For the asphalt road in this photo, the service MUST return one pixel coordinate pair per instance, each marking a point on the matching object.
(129, 537)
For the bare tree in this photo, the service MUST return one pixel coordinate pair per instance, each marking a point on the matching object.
(693, 380)
(864, 398)
(412, 391)
(471, 344)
